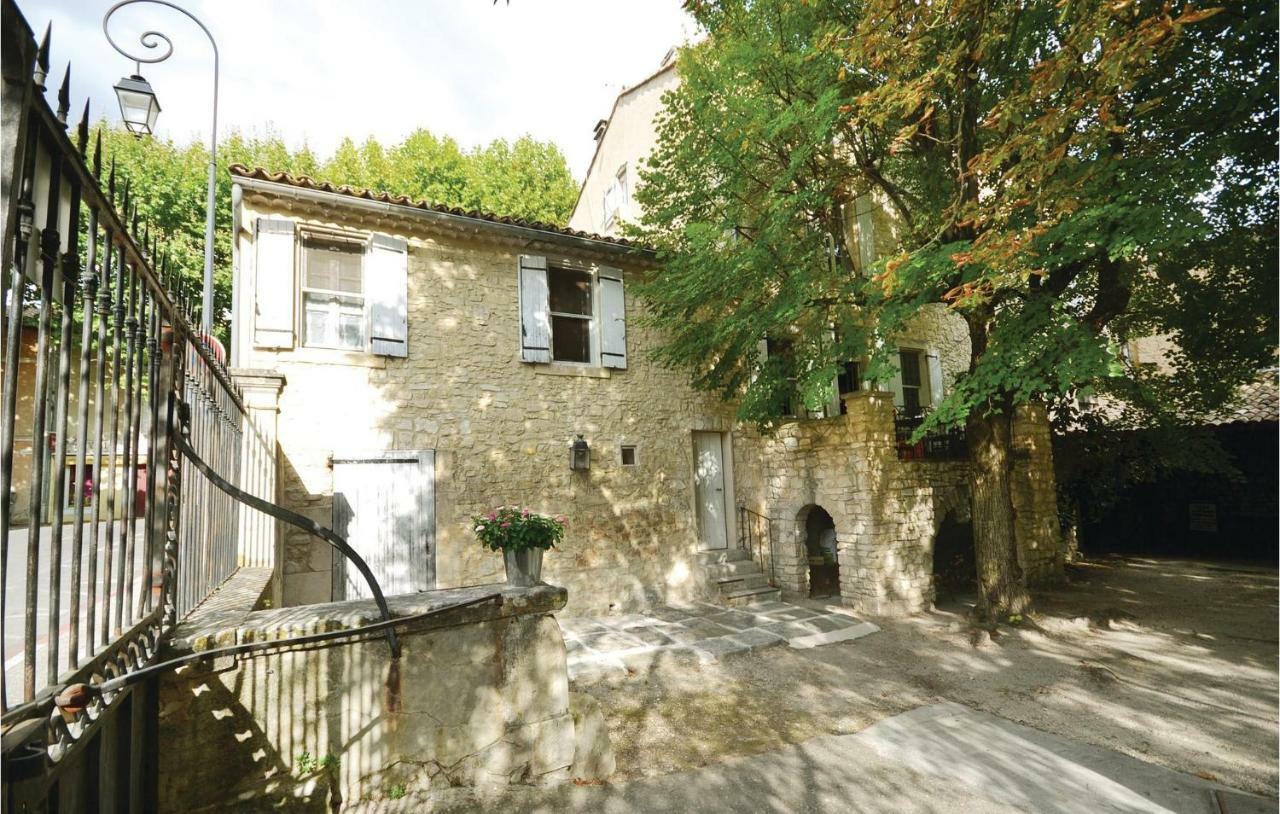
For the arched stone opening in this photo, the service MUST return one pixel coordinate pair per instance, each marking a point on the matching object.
(819, 531)
(955, 572)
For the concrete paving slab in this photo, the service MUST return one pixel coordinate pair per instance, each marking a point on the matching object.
(757, 639)
(720, 647)
(842, 634)
(735, 619)
(791, 613)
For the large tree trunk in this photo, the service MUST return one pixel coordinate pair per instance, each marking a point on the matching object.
(1002, 587)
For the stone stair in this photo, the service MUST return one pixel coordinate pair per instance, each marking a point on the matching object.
(734, 577)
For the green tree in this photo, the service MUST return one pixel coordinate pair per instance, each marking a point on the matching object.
(168, 181)
(1061, 175)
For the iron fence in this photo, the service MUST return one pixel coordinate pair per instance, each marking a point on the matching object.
(938, 445)
(108, 535)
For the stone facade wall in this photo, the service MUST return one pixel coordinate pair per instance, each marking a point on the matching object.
(500, 428)
(480, 697)
(886, 511)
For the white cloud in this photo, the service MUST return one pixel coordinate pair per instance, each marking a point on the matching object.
(319, 71)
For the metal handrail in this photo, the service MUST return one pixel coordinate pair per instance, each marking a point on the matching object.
(298, 521)
(745, 538)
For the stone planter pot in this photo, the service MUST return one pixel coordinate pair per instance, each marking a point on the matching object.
(524, 567)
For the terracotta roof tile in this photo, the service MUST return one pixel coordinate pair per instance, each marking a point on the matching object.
(1256, 402)
(305, 182)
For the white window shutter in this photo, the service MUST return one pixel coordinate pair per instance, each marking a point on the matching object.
(535, 310)
(613, 319)
(935, 376)
(386, 283)
(863, 208)
(895, 383)
(275, 283)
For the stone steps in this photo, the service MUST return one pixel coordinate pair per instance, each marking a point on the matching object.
(747, 596)
(722, 555)
(735, 578)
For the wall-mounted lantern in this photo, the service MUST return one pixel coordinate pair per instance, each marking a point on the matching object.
(579, 455)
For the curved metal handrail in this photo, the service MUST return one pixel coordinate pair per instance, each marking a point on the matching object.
(301, 522)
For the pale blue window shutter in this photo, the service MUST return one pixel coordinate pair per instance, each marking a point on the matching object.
(613, 319)
(387, 287)
(935, 376)
(274, 283)
(535, 310)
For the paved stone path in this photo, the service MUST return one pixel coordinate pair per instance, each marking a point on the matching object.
(939, 759)
(605, 646)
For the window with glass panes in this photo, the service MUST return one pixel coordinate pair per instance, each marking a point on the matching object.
(569, 294)
(333, 294)
(909, 362)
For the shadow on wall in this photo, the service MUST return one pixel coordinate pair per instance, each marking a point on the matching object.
(480, 704)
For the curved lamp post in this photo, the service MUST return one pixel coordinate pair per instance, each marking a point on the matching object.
(139, 109)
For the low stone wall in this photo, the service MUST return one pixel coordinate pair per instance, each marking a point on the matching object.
(886, 511)
(479, 697)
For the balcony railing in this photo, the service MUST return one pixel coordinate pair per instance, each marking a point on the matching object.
(938, 445)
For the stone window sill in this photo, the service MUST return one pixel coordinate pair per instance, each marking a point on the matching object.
(328, 356)
(578, 371)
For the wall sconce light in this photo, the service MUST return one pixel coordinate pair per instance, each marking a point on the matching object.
(579, 455)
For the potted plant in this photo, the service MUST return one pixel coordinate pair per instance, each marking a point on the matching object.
(522, 535)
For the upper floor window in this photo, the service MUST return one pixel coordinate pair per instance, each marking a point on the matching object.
(572, 315)
(333, 295)
(913, 395)
(616, 196)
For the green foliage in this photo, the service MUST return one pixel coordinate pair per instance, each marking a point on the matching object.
(306, 763)
(525, 179)
(396, 792)
(510, 527)
(1062, 176)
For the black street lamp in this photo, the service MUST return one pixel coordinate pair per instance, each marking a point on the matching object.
(138, 105)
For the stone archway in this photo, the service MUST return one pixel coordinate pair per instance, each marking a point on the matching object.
(817, 530)
(954, 570)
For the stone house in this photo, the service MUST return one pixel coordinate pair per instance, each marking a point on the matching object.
(420, 365)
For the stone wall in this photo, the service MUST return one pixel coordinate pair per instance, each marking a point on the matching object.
(500, 428)
(479, 697)
(886, 511)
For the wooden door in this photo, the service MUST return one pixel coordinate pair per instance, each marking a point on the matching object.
(709, 489)
(384, 505)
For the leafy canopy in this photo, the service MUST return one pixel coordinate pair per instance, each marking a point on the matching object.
(1061, 175)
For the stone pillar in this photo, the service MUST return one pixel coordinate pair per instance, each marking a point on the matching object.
(259, 534)
(1034, 492)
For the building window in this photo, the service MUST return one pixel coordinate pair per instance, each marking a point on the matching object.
(912, 389)
(628, 455)
(849, 381)
(571, 315)
(333, 295)
(616, 196)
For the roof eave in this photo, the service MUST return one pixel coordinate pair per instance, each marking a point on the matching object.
(449, 219)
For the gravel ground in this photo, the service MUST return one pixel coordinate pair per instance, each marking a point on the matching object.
(1173, 662)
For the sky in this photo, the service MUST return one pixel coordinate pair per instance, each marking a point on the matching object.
(321, 70)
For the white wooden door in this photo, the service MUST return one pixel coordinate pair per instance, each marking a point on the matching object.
(384, 505)
(709, 488)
